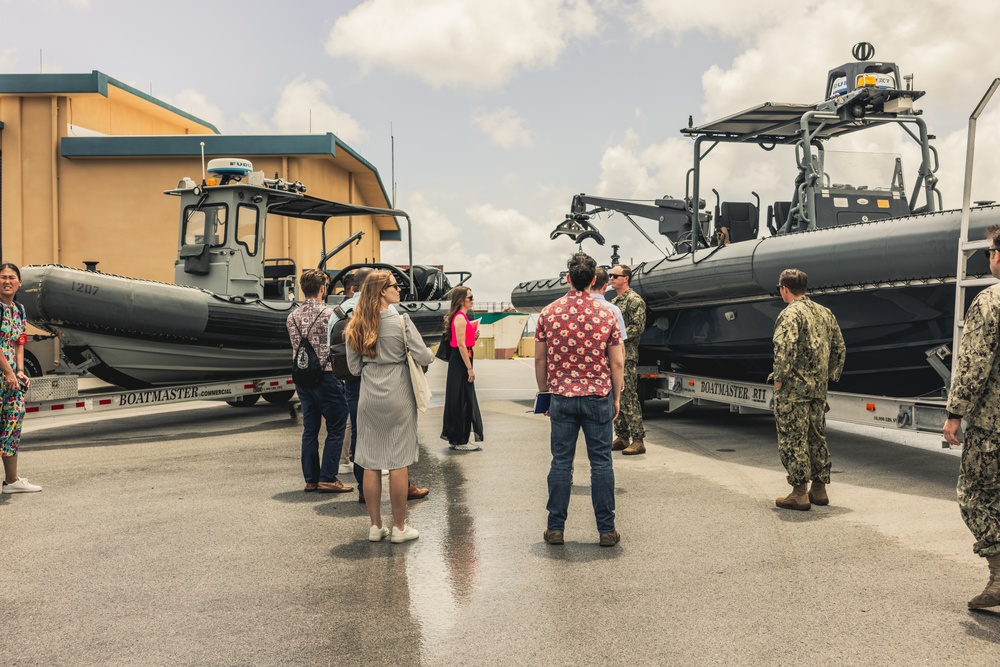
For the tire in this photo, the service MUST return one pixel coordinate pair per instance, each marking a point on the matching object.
(279, 397)
(244, 401)
(31, 366)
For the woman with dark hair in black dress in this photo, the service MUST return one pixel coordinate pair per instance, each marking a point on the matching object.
(461, 409)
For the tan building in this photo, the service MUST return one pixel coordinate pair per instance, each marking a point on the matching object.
(85, 159)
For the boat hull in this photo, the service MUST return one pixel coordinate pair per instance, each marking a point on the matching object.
(890, 283)
(139, 333)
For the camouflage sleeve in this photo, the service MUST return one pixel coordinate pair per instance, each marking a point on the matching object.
(635, 317)
(786, 333)
(971, 370)
(838, 350)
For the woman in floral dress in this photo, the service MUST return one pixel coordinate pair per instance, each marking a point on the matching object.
(15, 382)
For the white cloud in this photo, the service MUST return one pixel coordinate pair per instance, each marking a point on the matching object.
(305, 106)
(510, 257)
(196, 104)
(505, 128)
(460, 42)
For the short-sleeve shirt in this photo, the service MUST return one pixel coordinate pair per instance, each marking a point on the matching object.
(577, 332)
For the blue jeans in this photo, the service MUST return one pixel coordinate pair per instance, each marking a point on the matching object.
(594, 415)
(327, 401)
(353, 389)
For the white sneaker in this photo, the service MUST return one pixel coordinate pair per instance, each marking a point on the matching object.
(468, 448)
(345, 469)
(21, 486)
(377, 533)
(408, 533)
(385, 473)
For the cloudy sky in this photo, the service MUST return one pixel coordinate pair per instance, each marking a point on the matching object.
(502, 111)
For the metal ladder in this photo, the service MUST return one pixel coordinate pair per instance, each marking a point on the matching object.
(967, 248)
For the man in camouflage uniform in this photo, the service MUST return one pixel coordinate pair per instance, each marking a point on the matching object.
(809, 352)
(629, 423)
(975, 396)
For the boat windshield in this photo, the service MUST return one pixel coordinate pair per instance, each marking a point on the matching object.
(864, 171)
(205, 225)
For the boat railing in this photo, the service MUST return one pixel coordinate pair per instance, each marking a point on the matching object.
(967, 248)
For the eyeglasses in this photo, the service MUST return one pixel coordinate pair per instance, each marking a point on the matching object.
(989, 253)
(616, 275)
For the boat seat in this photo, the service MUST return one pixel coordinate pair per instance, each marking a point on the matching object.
(778, 214)
(279, 278)
(740, 218)
(196, 258)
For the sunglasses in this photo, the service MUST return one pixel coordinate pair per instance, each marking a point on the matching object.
(396, 285)
(470, 298)
(778, 288)
(989, 253)
(616, 275)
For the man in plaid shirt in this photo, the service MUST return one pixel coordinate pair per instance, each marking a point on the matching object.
(580, 359)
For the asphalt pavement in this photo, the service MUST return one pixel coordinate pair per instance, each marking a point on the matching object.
(181, 536)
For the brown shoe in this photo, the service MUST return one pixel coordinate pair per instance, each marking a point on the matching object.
(610, 539)
(798, 499)
(413, 493)
(619, 444)
(310, 487)
(553, 536)
(817, 493)
(334, 487)
(361, 497)
(990, 597)
(637, 447)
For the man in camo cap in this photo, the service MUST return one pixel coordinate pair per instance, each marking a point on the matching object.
(809, 352)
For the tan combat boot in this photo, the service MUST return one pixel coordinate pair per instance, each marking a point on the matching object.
(990, 597)
(798, 499)
(817, 493)
(619, 444)
(637, 447)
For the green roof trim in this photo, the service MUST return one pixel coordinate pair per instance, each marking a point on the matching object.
(391, 234)
(189, 145)
(53, 84)
(95, 82)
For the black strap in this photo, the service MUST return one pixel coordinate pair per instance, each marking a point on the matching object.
(329, 352)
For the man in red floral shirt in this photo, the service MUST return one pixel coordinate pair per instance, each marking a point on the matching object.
(580, 359)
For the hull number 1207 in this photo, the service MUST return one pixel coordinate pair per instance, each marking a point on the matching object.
(85, 288)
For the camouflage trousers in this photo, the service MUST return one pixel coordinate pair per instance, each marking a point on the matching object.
(801, 442)
(979, 489)
(629, 422)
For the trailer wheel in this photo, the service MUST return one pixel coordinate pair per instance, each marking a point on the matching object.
(244, 401)
(279, 397)
(31, 365)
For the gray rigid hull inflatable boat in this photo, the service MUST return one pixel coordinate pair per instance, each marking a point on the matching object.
(882, 261)
(224, 319)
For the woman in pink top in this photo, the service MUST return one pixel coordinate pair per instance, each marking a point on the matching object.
(461, 408)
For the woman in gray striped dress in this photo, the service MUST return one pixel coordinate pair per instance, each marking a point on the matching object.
(387, 410)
